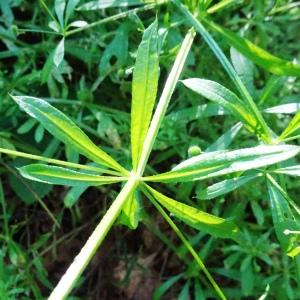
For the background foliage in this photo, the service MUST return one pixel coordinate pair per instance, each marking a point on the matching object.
(47, 52)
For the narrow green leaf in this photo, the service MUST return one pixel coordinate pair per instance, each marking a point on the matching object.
(64, 176)
(64, 129)
(101, 4)
(59, 52)
(283, 218)
(70, 8)
(144, 90)
(256, 54)
(220, 163)
(224, 141)
(163, 288)
(197, 219)
(288, 108)
(130, 212)
(224, 187)
(184, 294)
(244, 69)
(59, 7)
(224, 97)
(293, 170)
(74, 194)
(293, 126)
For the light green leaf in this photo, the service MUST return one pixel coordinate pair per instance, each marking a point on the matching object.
(74, 194)
(59, 53)
(70, 8)
(224, 187)
(64, 129)
(197, 219)
(144, 90)
(293, 126)
(59, 7)
(283, 218)
(244, 69)
(64, 176)
(220, 163)
(130, 212)
(256, 54)
(293, 170)
(288, 108)
(224, 97)
(101, 4)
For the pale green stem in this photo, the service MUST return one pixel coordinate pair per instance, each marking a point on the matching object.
(117, 17)
(70, 277)
(227, 66)
(57, 162)
(186, 243)
(164, 100)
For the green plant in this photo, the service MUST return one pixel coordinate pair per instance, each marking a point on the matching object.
(236, 164)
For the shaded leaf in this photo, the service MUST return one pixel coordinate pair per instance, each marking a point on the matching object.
(224, 187)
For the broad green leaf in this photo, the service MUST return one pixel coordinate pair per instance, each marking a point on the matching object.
(256, 54)
(144, 90)
(293, 126)
(130, 211)
(283, 218)
(59, 53)
(64, 176)
(288, 108)
(64, 129)
(196, 218)
(59, 7)
(220, 163)
(293, 170)
(224, 97)
(101, 4)
(224, 187)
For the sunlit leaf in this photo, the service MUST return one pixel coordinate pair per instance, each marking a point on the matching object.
(196, 218)
(256, 54)
(64, 129)
(144, 90)
(219, 163)
(63, 176)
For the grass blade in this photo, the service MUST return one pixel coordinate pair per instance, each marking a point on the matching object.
(144, 90)
(293, 126)
(256, 54)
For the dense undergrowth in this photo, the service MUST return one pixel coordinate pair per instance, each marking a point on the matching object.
(193, 100)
